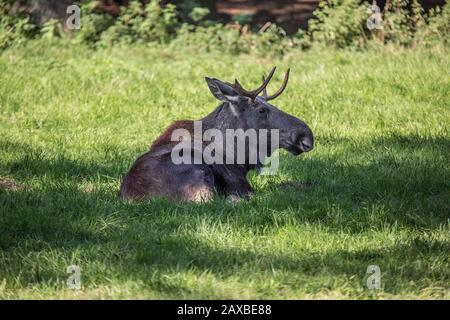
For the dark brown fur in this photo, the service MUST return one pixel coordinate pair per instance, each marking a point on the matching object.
(164, 138)
(151, 176)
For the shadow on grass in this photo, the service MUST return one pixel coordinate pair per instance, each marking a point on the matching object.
(390, 188)
(400, 264)
(395, 184)
(403, 179)
(34, 162)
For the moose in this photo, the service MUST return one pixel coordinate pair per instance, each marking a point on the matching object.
(156, 174)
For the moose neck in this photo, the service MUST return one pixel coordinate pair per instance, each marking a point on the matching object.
(222, 119)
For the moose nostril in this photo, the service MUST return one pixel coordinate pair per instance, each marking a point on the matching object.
(303, 140)
(307, 144)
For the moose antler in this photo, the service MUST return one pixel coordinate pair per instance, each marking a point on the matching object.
(280, 91)
(264, 92)
(254, 93)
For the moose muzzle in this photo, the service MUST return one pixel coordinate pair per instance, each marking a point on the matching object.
(301, 140)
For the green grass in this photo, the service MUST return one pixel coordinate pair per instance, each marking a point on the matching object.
(72, 122)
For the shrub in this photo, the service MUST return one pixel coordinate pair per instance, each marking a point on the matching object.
(339, 23)
(212, 38)
(52, 30)
(336, 23)
(198, 14)
(437, 27)
(343, 23)
(401, 22)
(140, 23)
(272, 41)
(14, 28)
(93, 24)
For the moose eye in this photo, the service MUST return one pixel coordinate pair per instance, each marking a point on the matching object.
(262, 110)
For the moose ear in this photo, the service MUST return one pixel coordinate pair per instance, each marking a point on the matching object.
(221, 90)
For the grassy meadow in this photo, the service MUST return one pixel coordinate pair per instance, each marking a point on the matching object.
(375, 190)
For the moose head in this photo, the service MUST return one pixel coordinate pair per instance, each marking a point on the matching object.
(247, 109)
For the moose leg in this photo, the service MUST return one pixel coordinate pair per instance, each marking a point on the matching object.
(195, 183)
(231, 182)
(236, 190)
(238, 187)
